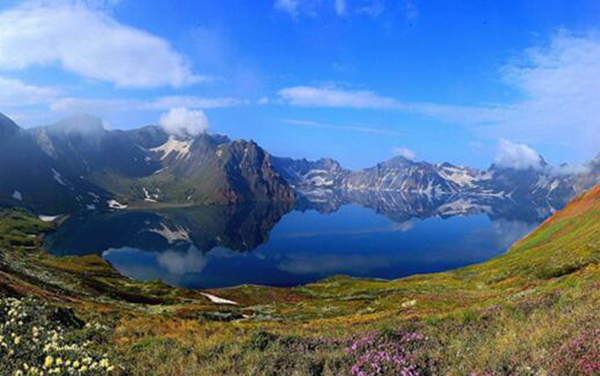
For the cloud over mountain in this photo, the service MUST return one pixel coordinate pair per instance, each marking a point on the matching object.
(181, 121)
(405, 152)
(517, 156)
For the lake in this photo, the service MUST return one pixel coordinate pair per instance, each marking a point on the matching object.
(280, 245)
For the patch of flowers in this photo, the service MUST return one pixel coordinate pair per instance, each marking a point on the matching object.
(36, 339)
(395, 353)
(581, 354)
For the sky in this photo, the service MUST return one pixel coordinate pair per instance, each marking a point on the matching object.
(468, 82)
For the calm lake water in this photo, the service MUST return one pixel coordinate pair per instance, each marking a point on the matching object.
(213, 246)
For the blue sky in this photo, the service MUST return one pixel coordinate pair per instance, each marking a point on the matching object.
(468, 82)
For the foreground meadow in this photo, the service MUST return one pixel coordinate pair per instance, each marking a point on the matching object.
(532, 311)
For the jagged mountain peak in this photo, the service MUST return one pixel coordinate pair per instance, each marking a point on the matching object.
(396, 162)
(329, 162)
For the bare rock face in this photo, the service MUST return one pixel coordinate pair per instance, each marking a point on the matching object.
(250, 170)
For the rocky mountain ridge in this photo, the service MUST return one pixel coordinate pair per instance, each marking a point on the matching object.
(401, 177)
(78, 164)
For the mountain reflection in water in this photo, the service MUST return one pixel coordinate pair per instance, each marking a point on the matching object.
(327, 233)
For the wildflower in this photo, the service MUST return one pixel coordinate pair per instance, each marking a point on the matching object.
(48, 362)
(17, 340)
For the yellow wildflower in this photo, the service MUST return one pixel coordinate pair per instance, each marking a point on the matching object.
(48, 362)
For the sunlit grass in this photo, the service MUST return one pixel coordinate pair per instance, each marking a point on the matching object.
(531, 311)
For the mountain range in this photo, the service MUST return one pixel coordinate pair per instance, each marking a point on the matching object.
(423, 189)
(79, 164)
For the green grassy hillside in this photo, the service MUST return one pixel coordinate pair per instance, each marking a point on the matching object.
(532, 311)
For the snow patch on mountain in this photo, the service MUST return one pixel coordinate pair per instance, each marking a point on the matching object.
(114, 204)
(59, 178)
(148, 197)
(459, 175)
(181, 148)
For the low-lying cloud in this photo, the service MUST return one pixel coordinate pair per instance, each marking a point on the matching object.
(405, 152)
(182, 121)
(517, 156)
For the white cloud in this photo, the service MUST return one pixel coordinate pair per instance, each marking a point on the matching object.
(335, 97)
(310, 8)
(340, 7)
(102, 4)
(558, 104)
(405, 152)
(309, 96)
(517, 156)
(288, 6)
(78, 105)
(373, 9)
(193, 102)
(354, 128)
(89, 42)
(181, 121)
(560, 93)
(567, 170)
(16, 93)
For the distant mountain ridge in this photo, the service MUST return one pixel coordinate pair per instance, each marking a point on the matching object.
(443, 188)
(78, 164)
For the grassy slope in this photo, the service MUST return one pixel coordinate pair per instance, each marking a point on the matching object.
(534, 309)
